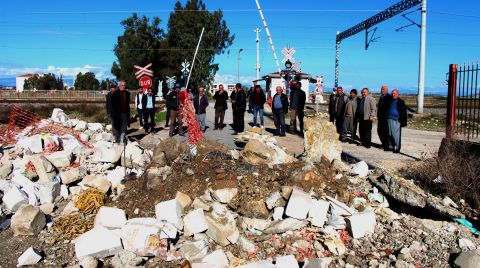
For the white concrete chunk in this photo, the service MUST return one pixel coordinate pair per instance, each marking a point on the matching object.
(258, 264)
(32, 143)
(225, 195)
(360, 169)
(28, 220)
(273, 199)
(60, 159)
(195, 222)
(195, 251)
(44, 169)
(95, 127)
(183, 199)
(170, 211)
(216, 259)
(14, 198)
(97, 181)
(136, 233)
(98, 242)
(299, 204)
(318, 212)
(278, 213)
(116, 176)
(29, 257)
(110, 218)
(317, 263)
(64, 191)
(81, 126)
(362, 223)
(287, 261)
(168, 231)
(48, 190)
(22, 181)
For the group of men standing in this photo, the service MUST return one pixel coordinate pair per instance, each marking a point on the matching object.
(349, 111)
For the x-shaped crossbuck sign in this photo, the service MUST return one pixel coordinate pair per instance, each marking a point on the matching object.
(143, 71)
(288, 52)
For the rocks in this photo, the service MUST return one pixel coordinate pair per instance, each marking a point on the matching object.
(116, 176)
(318, 212)
(60, 159)
(282, 226)
(108, 153)
(321, 139)
(72, 175)
(361, 224)
(170, 211)
(14, 198)
(225, 195)
(257, 152)
(48, 190)
(299, 204)
(98, 242)
(257, 224)
(468, 259)
(110, 218)
(59, 116)
(134, 157)
(80, 126)
(139, 235)
(32, 143)
(278, 213)
(221, 225)
(126, 258)
(88, 262)
(30, 257)
(183, 199)
(28, 220)
(167, 151)
(274, 200)
(195, 222)
(5, 170)
(44, 169)
(287, 261)
(246, 245)
(360, 169)
(95, 127)
(466, 244)
(195, 251)
(157, 176)
(97, 181)
(216, 259)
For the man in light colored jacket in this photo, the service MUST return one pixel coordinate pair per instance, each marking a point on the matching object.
(366, 111)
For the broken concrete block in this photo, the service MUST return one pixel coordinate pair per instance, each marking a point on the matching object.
(110, 218)
(59, 116)
(168, 231)
(318, 263)
(31, 256)
(199, 203)
(287, 261)
(72, 175)
(60, 159)
(299, 204)
(278, 213)
(274, 200)
(28, 220)
(22, 181)
(107, 154)
(98, 242)
(81, 126)
(341, 208)
(133, 156)
(5, 170)
(318, 212)
(84, 137)
(170, 211)
(75, 190)
(257, 224)
(116, 176)
(360, 169)
(183, 199)
(48, 190)
(195, 251)
(220, 229)
(47, 208)
(233, 238)
(95, 127)
(468, 259)
(32, 143)
(362, 223)
(224, 195)
(64, 191)
(216, 259)
(44, 169)
(99, 182)
(103, 137)
(246, 245)
(288, 224)
(88, 262)
(139, 235)
(466, 244)
(258, 264)
(195, 222)
(126, 258)
(14, 198)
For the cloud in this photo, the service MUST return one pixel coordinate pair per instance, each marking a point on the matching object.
(100, 71)
(232, 79)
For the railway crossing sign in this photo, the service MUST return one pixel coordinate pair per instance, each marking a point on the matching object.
(145, 82)
(185, 66)
(288, 52)
(143, 70)
(171, 81)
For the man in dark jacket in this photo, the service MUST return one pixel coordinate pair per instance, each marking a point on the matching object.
(382, 111)
(257, 101)
(279, 109)
(148, 108)
(200, 102)
(349, 122)
(331, 105)
(396, 118)
(239, 106)
(340, 101)
(108, 97)
(121, 112)
(173, 103)
(220, 97)
(297, 104)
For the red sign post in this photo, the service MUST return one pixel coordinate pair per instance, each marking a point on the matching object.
(145, 82)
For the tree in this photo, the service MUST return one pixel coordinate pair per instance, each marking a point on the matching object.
(105, 84)
(184, 28)
(138, 45)
(45, 82)
(86, 81)
(59, 84)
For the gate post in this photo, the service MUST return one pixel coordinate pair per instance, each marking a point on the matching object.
(452, 93)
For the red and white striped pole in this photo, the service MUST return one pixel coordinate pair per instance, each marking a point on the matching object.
(268, 35)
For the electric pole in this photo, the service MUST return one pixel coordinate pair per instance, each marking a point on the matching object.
(257, 66)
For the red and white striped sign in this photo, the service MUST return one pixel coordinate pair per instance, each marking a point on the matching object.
(143, 70)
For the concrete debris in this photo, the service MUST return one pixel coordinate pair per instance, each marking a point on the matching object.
(139, 235)
(98, 242)
(318, 212)
(60, 159)
(195, 222)
(72, 175)
(44, 169)
(170, 211)
(361, 224)
(31, 256)
(299, 204)
(28, 220)
(321, 140)
(360, 169)
(257, 224)
(466, 244)
(216, 259)
(14, 198)
(59, 116)
(318, 263)
(287, 261)
(225, 195)
(95, 127)
(195, 251)
(5, 170)
(468, 259)
(80, 126)
(88, 262)
(278, 213)
(221, 225)
(32, 143)
(258, 152)
(110, 218)
(126, 258)
(184, 200)
(274, 200)
(48, 190)
(282, 226)
(97, 181)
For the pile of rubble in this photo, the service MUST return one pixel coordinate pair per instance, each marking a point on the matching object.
(260, 207)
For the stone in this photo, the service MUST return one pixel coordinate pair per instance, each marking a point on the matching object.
(257, 224)
(47, 208)
(282, 226)
(466, 244)
(299, 204)
(28, 220)
(133, 156)
(318, 263)
(257, 152)
(287, 261)
(278, 213)
(195, 251)
(59, 116)
(216, 259)
(22, 181)
(72, 175)
(170, 211)
(361, 224)
(107, 154)
(246, 245)
(103, 137)
(258, 264)
(14, 198)
(99, 182)
(116, 176)
(157, 176)
(321, 140)
(5, 170)
(183, 199)
(318, 212)
(199, 203)
(95, 127)
(195, 222)
(48, 190)
(32, 143)
(139, 234)
(126, 258)
(80, 126)
(108, 127)
(468, 259)
(225, 195)
(84, 137)
(360, 169)
(88, 262)
(221, 225)
(167, 151)
(70, 208)
(274, 200)
(60, 159)
(44, 169)
(31, 256)
(168, 231)
(354, 260)
(335, 245)
(98, 242)
(110, 218)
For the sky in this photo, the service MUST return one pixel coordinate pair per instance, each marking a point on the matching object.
(78, 36)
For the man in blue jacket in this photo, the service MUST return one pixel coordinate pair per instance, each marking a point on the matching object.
(397, 118)
(279, 109)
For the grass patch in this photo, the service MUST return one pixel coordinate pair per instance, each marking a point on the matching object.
(430, 123)
(160, 116)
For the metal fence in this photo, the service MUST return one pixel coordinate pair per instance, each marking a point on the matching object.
(463, 102)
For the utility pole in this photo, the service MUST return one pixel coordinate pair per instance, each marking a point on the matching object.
(257, 66)
(238, 69)
(421, 68)
(337, 58)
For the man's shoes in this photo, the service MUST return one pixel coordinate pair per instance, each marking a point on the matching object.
(235, 133)
(282, 134)
(166, 125)
(396, 151)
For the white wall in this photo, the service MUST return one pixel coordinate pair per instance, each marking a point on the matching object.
(19, 81)
(281, 82)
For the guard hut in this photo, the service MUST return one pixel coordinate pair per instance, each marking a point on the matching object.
(272, 80)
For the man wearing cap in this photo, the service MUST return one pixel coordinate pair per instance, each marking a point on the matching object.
(239, 105)
(121, 112)
(258, 100)
(382, 111)
(200, 103)
(173, 103)
(340, 101)
(397, 118)
(366, 112)
(349, 122)
(220, 97)
(279, 109)
(297, 104)
(331, 105)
